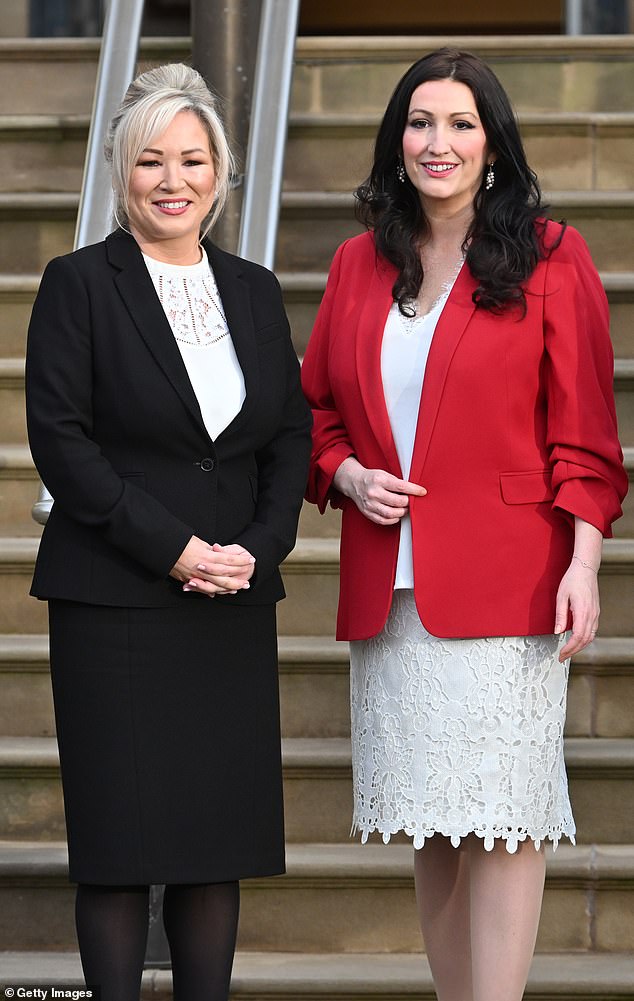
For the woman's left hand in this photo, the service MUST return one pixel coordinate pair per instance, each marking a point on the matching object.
(579, 592)
(207, 583)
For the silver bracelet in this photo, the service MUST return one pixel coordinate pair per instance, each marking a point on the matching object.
(584, 564)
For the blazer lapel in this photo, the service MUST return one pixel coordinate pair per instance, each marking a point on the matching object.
(371, 323)
(139, 295)
(235, 295)
(451, 325)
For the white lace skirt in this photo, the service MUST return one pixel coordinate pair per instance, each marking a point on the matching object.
(458, 736)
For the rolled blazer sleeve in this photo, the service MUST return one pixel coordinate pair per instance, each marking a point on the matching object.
(589, 480)
(331, 442)
(59, 386)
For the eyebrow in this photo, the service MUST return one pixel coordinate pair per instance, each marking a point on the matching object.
(454, 114)
(185, 152)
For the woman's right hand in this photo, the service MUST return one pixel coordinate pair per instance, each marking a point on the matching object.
(222, 569)
(379, 495)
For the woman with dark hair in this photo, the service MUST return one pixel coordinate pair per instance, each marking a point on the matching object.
(460, 374)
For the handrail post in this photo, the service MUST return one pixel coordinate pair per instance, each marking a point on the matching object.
(574, 17)
(267, 134)
(117, 63)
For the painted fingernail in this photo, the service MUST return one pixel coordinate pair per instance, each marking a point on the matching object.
(201, 566)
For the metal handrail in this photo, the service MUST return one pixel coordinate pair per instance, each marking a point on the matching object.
(117, 67)
(117, 64)
(267, 131)
(574, 17)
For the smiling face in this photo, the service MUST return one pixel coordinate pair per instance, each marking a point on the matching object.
(171, 191)
(445, 149)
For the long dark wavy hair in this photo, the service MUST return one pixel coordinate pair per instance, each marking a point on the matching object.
(505, 240)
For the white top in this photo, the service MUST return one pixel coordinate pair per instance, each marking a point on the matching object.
(192, 305)
(404, 351)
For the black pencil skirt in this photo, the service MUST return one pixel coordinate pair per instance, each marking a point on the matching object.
(169, 738)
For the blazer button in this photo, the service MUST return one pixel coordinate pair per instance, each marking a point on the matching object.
(207, 465)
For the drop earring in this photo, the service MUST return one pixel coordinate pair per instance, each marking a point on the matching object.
(490, 178)
(400, 170)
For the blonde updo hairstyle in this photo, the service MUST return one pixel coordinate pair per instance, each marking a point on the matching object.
(150, 104)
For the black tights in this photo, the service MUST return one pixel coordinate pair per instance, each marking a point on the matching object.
(201, 923)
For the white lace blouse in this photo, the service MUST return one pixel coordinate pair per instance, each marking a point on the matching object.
(404, 351)
(192, 305)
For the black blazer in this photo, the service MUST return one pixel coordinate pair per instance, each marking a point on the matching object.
(117, 435)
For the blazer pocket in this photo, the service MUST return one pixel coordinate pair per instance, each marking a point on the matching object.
(531, 487)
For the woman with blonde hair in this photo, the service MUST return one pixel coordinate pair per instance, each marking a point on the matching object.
(166, 417)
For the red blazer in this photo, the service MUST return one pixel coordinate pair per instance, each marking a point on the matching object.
(516, 435)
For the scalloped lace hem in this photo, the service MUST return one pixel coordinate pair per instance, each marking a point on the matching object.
(511, 835)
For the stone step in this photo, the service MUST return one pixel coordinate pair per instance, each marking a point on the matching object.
(317, 788)
(540, 73)
(339, 898)
(624, 527)
(17, 293)
(313, 224)
(45, 76)
(43, 152)
(620, 293)
(312, 584)
(314, 688)
(12, 400)
(35, 229)
(19, 486)
(330, 152)
(624, 395)
(345, 75)
(38, 226)
(26, 702)
(289, 976)
(601, 689)
(312, 524)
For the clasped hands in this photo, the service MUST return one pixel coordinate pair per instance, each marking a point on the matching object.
(214, 569)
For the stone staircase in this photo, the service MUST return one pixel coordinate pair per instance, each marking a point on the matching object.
(341, 924)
